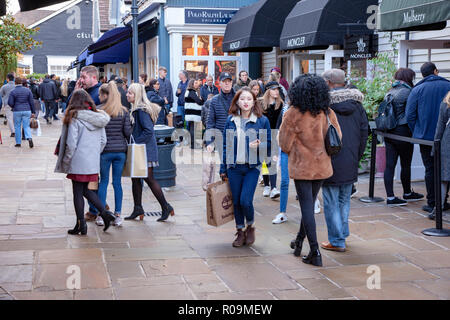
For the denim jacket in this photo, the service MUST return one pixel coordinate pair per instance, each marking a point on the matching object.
(255, 128)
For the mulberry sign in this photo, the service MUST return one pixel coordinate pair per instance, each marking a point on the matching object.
(361, 47)
(208, 16)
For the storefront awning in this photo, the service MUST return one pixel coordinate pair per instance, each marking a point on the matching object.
(414, 15)
(317, 24)
(118, 53)
(110, 38)
(257, 28)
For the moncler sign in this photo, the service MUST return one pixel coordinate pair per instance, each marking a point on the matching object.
(411, 16)
(296, 42)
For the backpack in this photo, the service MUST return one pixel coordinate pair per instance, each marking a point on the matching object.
(386, 115)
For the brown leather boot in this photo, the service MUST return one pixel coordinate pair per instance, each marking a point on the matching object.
(250, 235)
(240, 239)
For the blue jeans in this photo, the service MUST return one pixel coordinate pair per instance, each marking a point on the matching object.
(336, 207)
(117, 160)
(181, 111)
(284, 187)
(63, 106)
(243, 181)
(22, 119)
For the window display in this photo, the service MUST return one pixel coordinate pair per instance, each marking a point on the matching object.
(188, 45)
(196, 69)
(203, 45)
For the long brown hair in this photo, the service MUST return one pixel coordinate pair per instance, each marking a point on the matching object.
(113, 105)
(81, 100)
(266, 100)
(234, 108)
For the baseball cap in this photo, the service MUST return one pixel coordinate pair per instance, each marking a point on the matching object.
(225, 75)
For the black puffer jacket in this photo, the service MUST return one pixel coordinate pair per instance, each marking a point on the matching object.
(34, 90)
(48, 90)
(118, 132)
(400, 92)
(352, 118)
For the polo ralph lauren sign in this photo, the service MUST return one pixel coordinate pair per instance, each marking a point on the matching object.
(208, 16)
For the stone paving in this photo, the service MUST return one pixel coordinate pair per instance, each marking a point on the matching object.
(184, 258)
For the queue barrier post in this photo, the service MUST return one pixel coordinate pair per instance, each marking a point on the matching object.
(373, 157)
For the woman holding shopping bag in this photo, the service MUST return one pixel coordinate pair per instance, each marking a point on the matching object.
(143, 117)
(118, 132)
(302, 138)
(82, 140)
(246, 135)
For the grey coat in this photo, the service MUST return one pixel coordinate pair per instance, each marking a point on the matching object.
(82, 142)
(443, 133)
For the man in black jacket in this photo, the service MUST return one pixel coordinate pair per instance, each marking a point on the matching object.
(123, 94)
(347, 104)
(49, 94)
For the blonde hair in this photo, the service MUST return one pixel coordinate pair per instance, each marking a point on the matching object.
(65, 88)
(266, 100)
(141, 102)
(447, 99)
(113, 105)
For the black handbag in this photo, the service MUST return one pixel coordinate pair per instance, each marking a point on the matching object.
(333, 143)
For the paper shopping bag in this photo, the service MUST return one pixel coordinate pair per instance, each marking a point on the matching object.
(136, 165)
(36, 131)
(219, 204)
(209, 169)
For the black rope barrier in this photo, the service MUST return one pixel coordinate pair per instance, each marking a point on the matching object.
(439, 231)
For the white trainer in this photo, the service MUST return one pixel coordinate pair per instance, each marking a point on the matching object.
(118, 222)
(317, 206)
(274, 193)
(280, 218)
(266, 191)
(99, 221)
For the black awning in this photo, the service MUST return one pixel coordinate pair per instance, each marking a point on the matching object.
(110, 38)
(317, 24)
(414, 15)
(27, 5)
(257, 28)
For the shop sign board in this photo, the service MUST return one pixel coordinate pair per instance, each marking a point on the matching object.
(357, 47)
(208, 16)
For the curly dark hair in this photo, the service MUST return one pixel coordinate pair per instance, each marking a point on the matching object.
(310, 93)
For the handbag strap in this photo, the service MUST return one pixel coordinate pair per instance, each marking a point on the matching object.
(132, 140)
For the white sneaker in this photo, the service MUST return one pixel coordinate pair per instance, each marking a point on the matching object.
(317, 206)
(274, 193)
(118, 222)
(261, 181)
(280, 218)
(266, 191)
(99, 221)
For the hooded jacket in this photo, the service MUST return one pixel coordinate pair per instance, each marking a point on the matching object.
(6, 90)
(82, 142)
(422, 109)
(239, 84)
(352, 118)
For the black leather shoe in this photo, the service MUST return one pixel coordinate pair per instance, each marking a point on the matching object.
(30, 142)
(427, 208)
(12, 135)
(17, 146)
(108, 218)
(138, 211)
(314, 257)
(167, 211)
(432, 215)
(297, 245)
(80, 227)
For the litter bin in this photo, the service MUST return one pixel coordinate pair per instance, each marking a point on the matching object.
(166, 172)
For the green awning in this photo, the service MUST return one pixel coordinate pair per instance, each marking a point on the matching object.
(411, 15)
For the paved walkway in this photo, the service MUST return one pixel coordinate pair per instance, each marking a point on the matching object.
(184, 258)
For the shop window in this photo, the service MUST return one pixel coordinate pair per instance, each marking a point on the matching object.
(217, 48)
(196, 69)
(224, 66)
(61, 71)
(188, 45)
(203, 45)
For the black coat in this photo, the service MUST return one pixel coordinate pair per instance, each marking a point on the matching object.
(352, 118)
(48, 90)
(118, 133)
(153, 96)
(34, 90)
(400, 92)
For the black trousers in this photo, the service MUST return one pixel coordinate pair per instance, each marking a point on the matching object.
(80, 191)
(428, 162)
(394, 150)
(307, 191)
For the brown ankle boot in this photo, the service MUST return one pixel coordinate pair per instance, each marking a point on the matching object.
(240, 239)
(250, 235)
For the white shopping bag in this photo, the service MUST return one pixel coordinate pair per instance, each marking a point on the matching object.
(37, 132)
(136, 165)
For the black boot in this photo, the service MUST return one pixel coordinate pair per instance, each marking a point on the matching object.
(297, 245)
(138, 211)
(314, 257)
(108, 217)
(80, 227)
(167, 210)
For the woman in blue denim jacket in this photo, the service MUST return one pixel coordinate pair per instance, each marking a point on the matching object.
(246, 144)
